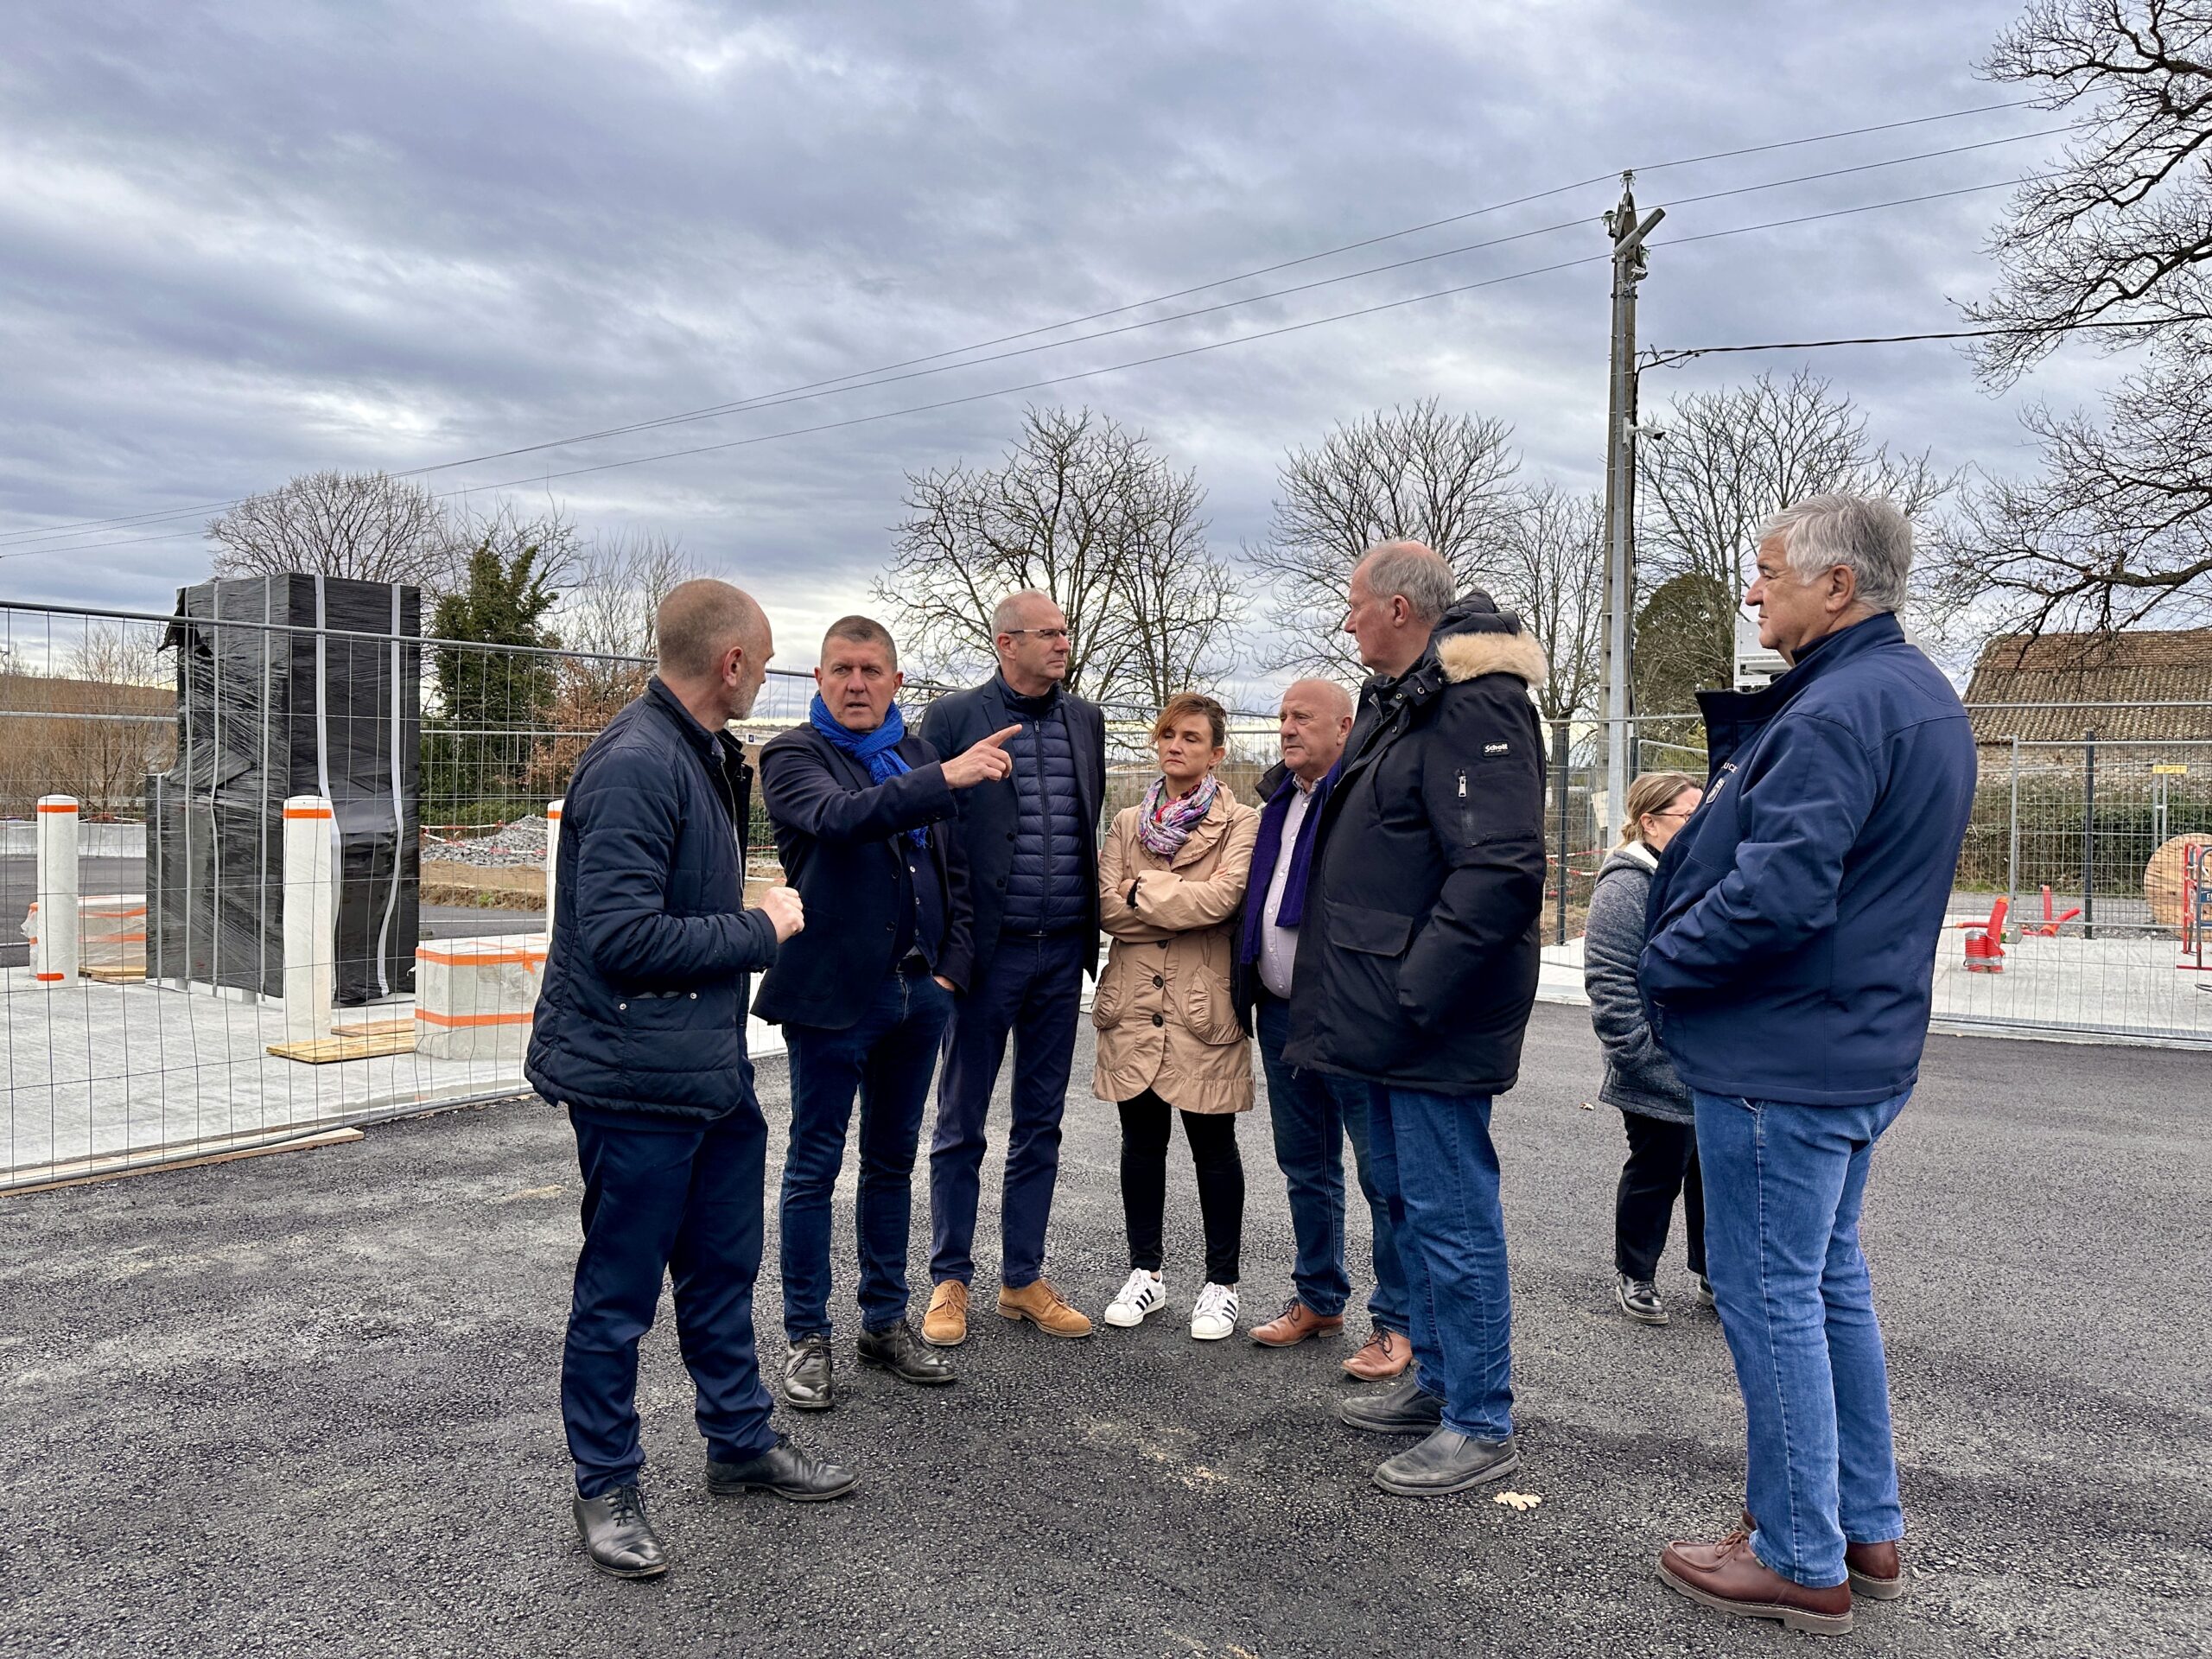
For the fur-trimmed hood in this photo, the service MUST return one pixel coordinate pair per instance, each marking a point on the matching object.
(1475, 637)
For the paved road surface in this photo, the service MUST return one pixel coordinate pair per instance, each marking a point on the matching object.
(304, 1404)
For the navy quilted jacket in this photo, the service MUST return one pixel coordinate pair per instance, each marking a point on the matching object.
(1048, 884)
(643, 1008)
(994, 818)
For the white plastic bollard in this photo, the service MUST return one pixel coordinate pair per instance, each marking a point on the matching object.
(552, 859)
(310, 919)
(53, 962)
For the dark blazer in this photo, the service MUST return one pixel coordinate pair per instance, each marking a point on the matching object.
(1417, 954)
(841, 836)
(1794, 918)
(643, 1007)
(960, 719)
(1245, 977)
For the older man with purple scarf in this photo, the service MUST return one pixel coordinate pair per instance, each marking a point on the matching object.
(1313, 1112)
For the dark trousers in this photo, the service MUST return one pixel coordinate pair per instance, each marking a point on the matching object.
(1661, 1163)
(1313, 1114)
(1437, 1166)
(1031, 992)
(886, 1057)
(1147, 1123)
(685, 1202)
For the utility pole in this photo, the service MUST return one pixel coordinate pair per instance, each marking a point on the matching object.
(1629, 261)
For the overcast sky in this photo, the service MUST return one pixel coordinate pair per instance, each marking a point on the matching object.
(244, 241)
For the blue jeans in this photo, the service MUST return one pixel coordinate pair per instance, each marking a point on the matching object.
(1433, 1160)
(1783, 1188)
(685, 1203)
(1313, 1112)
(887, 1056)
(1031, 992)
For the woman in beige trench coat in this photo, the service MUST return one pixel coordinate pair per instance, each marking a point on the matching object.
(1170, 879)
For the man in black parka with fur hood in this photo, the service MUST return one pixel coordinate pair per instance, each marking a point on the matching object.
(1416, 972)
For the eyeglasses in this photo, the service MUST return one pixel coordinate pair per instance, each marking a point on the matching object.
(1048, 635)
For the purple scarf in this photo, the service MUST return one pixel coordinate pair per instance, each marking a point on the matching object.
(1269, 848)
(1165, 823)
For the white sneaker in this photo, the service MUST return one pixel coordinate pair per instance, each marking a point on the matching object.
(1145, 1293)
(1214, 1317)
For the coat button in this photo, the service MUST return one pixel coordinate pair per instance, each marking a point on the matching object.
(1157, 980)
(695, 996)
(1159, 1018)
(622, 1007)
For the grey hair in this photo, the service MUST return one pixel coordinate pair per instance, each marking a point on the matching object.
(1007, 617)
(1415, 573)
(1863, 532)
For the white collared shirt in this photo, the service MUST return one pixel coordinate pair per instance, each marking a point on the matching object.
(1279, 945)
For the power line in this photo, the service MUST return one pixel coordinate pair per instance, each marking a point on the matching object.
(791, 393)
(1164, 357)
(1664, 360)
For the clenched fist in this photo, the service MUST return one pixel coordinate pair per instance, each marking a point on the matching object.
(782, 907)
(984, 763)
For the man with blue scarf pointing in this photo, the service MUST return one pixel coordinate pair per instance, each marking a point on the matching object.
(862, 811)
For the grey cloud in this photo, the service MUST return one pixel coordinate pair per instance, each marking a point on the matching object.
(251, 238)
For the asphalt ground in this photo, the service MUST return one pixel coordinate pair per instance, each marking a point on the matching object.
(305, 1404)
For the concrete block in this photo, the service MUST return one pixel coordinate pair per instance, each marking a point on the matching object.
(475, 998)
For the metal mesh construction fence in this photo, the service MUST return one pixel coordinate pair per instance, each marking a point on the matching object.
(214, 966)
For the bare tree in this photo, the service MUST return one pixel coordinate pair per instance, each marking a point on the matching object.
(606, 616)
(1551, 572)
(1087, 511)
(614, 586)
(2117, 530)
(2122, 232)
(368, 525)
(1411, 472)
(1727, 460)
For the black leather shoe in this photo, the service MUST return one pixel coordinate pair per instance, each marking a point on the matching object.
(1448, 1461)
(903, 1354)
(1404, 1408)
(618, 1537)
(785, 1469)
(806, 1374)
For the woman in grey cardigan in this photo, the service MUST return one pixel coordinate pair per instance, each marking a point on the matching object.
(1654, 1103)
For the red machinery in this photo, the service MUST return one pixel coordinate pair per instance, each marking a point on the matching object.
(2195, 905)
(2047, 928)
(1985, 940)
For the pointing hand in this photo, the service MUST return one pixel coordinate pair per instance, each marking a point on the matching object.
(986, 762)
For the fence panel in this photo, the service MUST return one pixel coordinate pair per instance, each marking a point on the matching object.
(239, 782)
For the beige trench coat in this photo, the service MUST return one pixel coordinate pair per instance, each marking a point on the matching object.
(1162, 1010)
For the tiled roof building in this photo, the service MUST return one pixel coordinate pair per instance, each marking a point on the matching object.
(2149, 666)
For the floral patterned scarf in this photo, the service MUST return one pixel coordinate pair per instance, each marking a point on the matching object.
(1166, 823)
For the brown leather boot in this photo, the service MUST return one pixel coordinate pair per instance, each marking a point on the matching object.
(1040, 1304)
(945, 1326)
(1382, 1357)
(1296, 1324)
(1727, 1578)
(1876, 1572)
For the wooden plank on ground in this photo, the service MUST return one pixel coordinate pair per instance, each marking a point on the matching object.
(131, 976)
(371, 1039)
(85, 1171)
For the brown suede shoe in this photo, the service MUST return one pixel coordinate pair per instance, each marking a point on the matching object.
(1295, 1325)
(1727, 1578)
(945, 1326)
(1040, 1304)
(1876, 1572)
(1382, 1357)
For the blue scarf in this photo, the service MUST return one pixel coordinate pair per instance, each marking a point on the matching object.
(1272, 816)
(877, 750)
